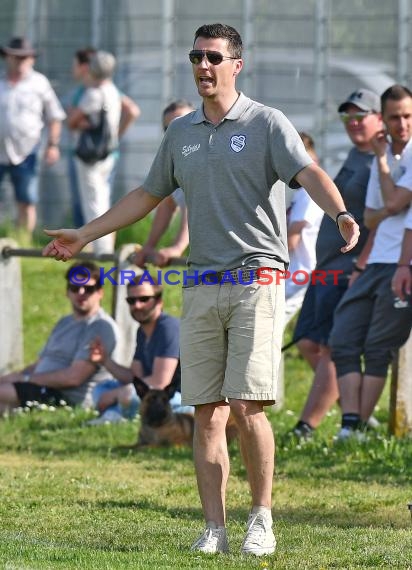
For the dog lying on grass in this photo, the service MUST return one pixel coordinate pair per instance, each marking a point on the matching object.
(160, 426)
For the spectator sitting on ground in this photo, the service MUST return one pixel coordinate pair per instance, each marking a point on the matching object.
(64, 370)
(166, 208)
(304, 217)
(156, 359)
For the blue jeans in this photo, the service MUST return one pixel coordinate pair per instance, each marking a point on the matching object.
(132, 409)
(23, 178)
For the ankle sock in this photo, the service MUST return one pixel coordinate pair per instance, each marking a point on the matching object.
(304, 427)
(213, 525)
(265, 511)
(351, 421)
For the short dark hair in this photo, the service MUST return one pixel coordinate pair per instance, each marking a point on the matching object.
(234, 41)
(175, 106)
(307, 140)
(86, 270)
(146, 277)
(178, 104)
(84, 55)
(395, 93)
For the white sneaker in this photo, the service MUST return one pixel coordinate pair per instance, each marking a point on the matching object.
(373, 423)
(346, 433)
(259, 539)
(108, 417)
(213, 540)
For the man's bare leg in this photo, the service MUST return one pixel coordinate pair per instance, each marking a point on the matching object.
(211, 459)
(324, 391)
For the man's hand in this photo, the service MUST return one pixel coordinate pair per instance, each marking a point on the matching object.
(97, 352)
(402, 282)
(65, 245)
(106, 400)
(379, 143)
(162, 257)
(141, 255)
(349, 230)
(51, 155)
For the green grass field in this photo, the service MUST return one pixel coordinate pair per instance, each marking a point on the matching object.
(72, 500)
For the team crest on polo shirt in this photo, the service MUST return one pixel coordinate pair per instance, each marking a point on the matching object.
(237, 142)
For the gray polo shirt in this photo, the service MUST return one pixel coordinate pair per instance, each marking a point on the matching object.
(228, 173)
(69, 341)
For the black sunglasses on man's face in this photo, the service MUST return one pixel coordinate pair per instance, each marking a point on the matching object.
(214, 57)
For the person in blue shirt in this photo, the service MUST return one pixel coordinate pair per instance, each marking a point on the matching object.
(156, 359)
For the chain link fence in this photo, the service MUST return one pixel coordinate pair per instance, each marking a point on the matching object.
(302, 57)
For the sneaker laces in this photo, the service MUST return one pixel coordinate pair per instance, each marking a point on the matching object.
(210, 536)
(256, 528)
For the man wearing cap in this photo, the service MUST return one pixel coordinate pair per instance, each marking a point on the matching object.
(360, 115)
(27, 102)
(369, 323)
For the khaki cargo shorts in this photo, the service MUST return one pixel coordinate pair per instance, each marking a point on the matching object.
(231, 338)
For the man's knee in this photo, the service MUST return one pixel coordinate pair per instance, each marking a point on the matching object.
(246, 412)
(212, 416)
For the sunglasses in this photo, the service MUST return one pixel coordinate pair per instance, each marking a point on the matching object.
(141, 299)
(214, 57)
(88, 289)
(358, 117)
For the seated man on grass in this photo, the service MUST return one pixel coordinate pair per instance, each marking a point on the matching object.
(156, 359)
(64, 370)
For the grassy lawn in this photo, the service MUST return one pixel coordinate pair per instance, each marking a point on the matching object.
(72, 499)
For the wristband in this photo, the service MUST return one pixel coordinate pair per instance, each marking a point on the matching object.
(343, 214)
(52, 144)
(357, 268)
(404, 265)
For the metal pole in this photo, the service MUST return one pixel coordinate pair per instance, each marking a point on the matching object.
(96, 23)
(8, 252)
(404, 18)
(33, 10)
(168, 12)
(22, 252)
(250, 45)
(321, 73)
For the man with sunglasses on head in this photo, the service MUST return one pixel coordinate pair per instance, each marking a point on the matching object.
(155, 362)
(360, 115)
(227, 156)
(64, 371)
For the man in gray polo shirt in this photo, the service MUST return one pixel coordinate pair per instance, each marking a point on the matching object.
(227, 156)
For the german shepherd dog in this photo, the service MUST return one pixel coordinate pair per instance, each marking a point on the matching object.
(160, 426)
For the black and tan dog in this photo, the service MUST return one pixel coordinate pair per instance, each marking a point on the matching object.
(160, 426)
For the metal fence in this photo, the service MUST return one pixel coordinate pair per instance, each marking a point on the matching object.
(302, 57)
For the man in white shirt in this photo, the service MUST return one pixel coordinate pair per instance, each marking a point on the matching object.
(27, 103)
(368, 326)
(304, 217)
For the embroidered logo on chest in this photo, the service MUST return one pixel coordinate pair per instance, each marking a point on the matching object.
(237, 142)
(189, 149)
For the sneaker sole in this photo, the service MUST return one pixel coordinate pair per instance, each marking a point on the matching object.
(260, 552)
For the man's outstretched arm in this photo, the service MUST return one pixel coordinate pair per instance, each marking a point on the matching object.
(133, 207)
